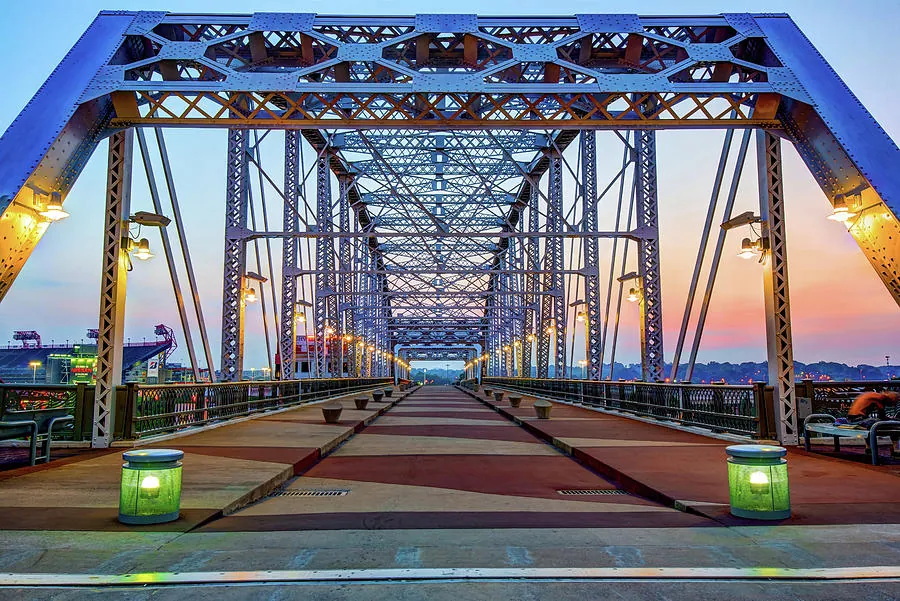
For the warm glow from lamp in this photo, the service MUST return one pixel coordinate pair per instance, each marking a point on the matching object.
(250, 295)
(300, 317)
(580, 317)
(53, 211)
(530, 338)
(34, 364)
(749, 249)
(633, 295)
(142, 251)
(841, 211)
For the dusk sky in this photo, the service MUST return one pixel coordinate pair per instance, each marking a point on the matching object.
(840, 309)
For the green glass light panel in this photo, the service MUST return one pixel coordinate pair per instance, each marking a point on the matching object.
(150, 492)
(758, 482)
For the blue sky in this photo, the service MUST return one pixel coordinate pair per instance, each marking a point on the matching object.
(57, 291)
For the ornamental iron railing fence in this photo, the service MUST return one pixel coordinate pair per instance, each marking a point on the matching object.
(147, 410)
(743, 410)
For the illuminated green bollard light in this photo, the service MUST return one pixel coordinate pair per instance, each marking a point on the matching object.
(758, 482)
(151, 486)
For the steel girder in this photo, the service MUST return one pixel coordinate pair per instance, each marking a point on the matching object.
(291, 223)
(346, 279)
(593, 297)
(648, 256)
(326, 282)
(553, 304)
(236, 198)
(777, 297)
(449, 72)
(455, 71)
(110, 332)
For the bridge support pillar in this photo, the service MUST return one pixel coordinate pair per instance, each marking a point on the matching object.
(287, 339)
(326, 283)
(236, 197)
(345, 263)
(777, 298)
(648, 257)
(593, 340)
(553, 302)
(112, 286)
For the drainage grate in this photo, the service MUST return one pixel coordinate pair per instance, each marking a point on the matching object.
(610, 491)
(311, 492)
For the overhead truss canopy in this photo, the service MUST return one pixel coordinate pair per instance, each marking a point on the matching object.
(446, 138)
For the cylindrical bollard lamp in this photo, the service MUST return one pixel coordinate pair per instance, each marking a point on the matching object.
(758, 482)
(150, 491)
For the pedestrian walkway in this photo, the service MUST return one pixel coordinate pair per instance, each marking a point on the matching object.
(680, 468)
(444, 460)
(225, 468)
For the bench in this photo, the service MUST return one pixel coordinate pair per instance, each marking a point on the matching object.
(37, 424)
(822, 423)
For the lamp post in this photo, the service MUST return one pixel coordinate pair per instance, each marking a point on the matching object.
(266, 371)
(34, 365)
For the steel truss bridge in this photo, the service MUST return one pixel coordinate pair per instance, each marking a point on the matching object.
(425, 212)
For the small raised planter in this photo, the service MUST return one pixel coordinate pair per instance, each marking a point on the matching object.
(476, 387)
(498, 396)
(542, 408)
(361, 402)
(332, 413)
(388, 392)
(377, 395)
(515, 401)
(487, 392)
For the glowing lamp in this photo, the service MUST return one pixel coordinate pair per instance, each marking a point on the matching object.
(530, 338)
(142, 250)
(633, 295)
(748, 249)
(150, 491)
(250, 295)
(758, 482)
(841, 211)
(300, 317)
(53, 211)
(580, 317)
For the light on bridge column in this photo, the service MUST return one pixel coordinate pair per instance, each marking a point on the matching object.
(53, 210)
(843, 211)
(634, 295)
(750, 248)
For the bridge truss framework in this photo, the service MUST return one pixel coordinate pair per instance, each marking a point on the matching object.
(441, 222)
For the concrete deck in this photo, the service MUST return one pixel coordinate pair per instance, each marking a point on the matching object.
(680, 468)
(443, 480)
(225, 468)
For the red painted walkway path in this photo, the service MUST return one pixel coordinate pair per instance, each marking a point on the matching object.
(673, 466)
(441, 459)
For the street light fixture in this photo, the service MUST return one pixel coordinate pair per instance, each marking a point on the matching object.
(34, 365)
(53, 210)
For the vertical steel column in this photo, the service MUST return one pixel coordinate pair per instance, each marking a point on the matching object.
(593, 327)
(553, 302)
(778, 304)
(346, 280)
(112, 286)
(287, 341)
(648, 256)
(532, 266)
(236, 195)
(326, 284)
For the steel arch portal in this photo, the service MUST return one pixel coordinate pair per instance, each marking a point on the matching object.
(498, 78)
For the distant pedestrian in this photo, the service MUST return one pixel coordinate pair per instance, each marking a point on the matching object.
(869, 403)
(875, 403)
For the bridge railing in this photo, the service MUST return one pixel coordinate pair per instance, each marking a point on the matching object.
(744, 410)
(834, 398)
(159, 409)
(147, 410)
